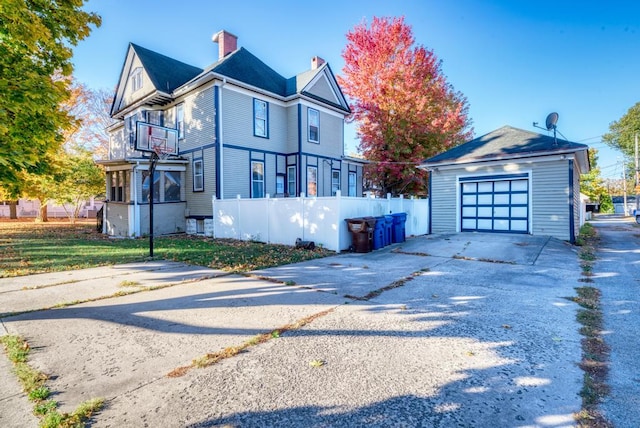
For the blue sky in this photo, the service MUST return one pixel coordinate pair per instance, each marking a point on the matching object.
(515, 61)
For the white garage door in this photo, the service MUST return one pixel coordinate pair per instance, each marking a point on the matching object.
(499, 204)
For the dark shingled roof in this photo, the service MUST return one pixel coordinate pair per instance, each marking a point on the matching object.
(168, 74)
(504, 143)
(165, 73)
(242, 65)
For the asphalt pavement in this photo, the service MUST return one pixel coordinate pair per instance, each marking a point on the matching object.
(617, 275)
(443, 330)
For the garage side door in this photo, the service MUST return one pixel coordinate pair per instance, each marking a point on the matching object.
(496, 205)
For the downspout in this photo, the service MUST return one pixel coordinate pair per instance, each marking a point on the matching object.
(572, 234)
(300, 151)
(430, 201)
(221, 145)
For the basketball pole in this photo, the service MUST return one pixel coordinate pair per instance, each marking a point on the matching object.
(152, 172)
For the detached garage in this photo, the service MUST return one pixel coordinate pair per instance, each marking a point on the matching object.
(508, 181)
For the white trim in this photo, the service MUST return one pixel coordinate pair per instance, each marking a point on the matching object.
(495, 161)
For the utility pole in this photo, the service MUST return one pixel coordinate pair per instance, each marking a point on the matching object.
(624, 188)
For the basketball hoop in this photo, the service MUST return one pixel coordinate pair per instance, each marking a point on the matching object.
(161, 151)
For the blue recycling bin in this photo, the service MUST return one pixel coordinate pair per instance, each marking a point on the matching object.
(398, 229)
(388, 225)
(378, 233)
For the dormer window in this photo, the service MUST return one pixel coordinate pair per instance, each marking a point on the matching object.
(136, 79)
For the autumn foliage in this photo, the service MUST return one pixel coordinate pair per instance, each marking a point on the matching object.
(405, 109)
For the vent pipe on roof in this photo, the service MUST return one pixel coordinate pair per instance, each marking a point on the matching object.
(226, 41)
(316, 62)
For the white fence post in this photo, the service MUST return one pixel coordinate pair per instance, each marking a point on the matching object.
(268, 218)
(238, 197)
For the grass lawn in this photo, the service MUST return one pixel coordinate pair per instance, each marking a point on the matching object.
(27, 248)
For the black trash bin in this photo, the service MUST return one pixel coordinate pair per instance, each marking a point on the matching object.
(361, 234)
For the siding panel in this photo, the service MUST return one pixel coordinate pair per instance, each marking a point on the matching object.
(443, 201)
(323, 90)
(199, 203)
(550, 199)
(199, 119)
(237, 172)
(237, 116)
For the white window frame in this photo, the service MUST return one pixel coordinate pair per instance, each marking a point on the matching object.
(160, 180)
(335, 181)
(254, 181)
(198, 175)
(314, 182)
(136, 79)
(353, 183)
(166, 183)
(180, 121)
(291, 180)
(155, 117)
(313, 122)
(257, 119)
(280, 179)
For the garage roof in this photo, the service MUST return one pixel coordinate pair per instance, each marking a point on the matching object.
(508, 143)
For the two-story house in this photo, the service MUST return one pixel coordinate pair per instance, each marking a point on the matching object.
(243, 129)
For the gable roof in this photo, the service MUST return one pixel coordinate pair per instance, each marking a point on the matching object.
(505, 143)
(166, 74)
(245, 67)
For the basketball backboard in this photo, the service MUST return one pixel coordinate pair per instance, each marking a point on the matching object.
(154, 138)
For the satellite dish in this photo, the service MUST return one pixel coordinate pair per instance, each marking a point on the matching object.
(552, 119)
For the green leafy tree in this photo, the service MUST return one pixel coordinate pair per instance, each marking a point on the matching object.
(622, 133)
(72, 176)
(80, 180)
(405, 109)
(36, 40)
(592, 185)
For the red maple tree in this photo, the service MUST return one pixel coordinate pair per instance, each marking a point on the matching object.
(405, 109)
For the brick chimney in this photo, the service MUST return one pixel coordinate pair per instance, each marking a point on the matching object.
(316, 62)
(226, 41)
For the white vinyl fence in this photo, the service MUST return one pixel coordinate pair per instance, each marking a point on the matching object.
(318, 219)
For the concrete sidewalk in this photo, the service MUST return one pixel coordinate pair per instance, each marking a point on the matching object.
(399, 356)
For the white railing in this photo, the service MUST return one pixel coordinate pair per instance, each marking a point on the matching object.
(318, 219)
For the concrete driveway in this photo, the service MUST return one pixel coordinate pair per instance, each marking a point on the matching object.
(617, 275)
(463, 330)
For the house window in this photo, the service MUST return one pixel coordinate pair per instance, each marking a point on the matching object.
(280, 184)
(313, 120)
(118, 186)
(257, 179)
(171, 186)
(166, 186)
(146, 186)
(180, 120)
(335, 182)
(260, 118)
(198, 176)
(352, 184)
(114, 186)
(156, 117)
(312, 181)
(136, 79)
(131, 123)
(291, 180)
